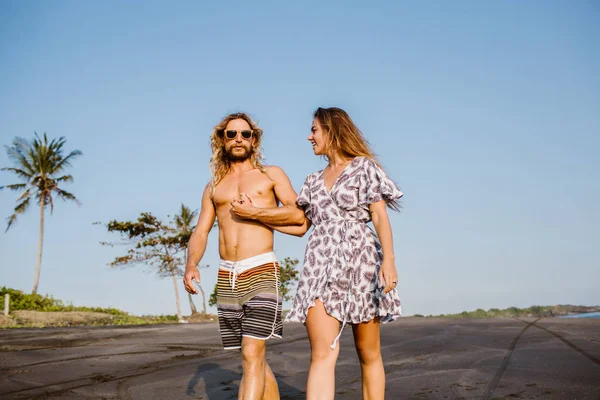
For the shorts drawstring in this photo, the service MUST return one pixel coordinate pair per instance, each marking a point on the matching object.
(233, 274)
(277, 299)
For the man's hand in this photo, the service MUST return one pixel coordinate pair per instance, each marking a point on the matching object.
(242, 207)
(191, 273)
(388, 275)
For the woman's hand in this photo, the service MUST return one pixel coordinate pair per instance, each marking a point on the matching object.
(243, 207)
(388, 276)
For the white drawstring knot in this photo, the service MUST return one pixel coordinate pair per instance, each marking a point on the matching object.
(233, 274)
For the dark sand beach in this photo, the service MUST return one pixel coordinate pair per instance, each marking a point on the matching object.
(425, 358)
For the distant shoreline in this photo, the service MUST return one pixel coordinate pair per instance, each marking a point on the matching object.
(513, 312)
(53, 319)
(582, 315)
(37, 311)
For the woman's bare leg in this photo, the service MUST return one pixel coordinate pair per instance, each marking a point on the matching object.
(322, 330)
(368, 348)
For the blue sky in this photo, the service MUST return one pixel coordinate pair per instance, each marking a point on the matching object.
(486, 113)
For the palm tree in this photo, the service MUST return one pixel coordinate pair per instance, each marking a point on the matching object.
(184, 221)
(39, 165)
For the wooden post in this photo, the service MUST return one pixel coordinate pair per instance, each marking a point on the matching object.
(6, 303)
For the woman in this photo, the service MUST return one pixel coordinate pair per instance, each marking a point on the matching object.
(349, 274)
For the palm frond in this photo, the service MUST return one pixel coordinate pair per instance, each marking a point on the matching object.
(66, 162)
(38, 153)
(66, 196)
(19, 209)
(26, 193)
(19, 172)
(18, 153)
(50, 200)
(65, 178)
(10, 221)
(22, 206)
(15, 186)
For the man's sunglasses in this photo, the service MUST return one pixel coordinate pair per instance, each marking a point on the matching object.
(232, 134)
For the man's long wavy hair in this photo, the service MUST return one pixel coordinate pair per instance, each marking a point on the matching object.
(345, 140)
(219, 162)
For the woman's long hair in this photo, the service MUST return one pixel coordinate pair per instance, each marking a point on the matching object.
(219, 162)
(345, 140)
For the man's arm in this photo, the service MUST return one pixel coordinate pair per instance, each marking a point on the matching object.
(197, 243)
(295, 230)
(288, 214)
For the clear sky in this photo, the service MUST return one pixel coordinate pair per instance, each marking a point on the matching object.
(486, 113)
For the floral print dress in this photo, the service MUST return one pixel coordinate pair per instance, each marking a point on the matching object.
(343, 254)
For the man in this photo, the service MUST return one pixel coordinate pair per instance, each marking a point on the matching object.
(248, 297)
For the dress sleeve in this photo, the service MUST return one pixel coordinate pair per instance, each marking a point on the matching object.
(379, 185)
(303, 200)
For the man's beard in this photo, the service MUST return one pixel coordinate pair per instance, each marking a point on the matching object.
(239, 156)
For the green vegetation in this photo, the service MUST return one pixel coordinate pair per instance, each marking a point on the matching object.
(20, 301)
(37, 302)
(512, 312)
(288, 275)
(39, 165)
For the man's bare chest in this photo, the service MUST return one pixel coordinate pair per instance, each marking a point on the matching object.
(256, 186)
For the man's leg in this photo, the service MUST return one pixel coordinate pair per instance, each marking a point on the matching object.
(261, 321)
(258, 381)
(271, 388)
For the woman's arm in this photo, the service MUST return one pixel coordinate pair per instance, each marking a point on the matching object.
(388, 274)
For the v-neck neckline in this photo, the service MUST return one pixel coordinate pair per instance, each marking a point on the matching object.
(336, 179)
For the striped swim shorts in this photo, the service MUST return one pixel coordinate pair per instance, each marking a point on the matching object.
(249, 300)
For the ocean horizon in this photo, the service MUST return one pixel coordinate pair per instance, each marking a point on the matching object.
(584, 315)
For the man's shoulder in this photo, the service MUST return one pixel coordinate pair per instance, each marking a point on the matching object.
(274, 172)
(273, 168)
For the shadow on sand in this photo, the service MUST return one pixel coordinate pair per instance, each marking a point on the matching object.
(223, 384)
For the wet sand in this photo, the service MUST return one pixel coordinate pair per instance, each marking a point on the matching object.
(425, 358)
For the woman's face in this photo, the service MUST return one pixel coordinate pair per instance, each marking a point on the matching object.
(318, 139)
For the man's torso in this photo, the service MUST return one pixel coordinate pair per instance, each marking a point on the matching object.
(238, 238)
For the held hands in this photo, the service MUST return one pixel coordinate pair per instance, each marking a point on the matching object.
(388, 276)
(243, 207)
(191, 274)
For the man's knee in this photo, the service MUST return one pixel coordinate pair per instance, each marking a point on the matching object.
(253, 352)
